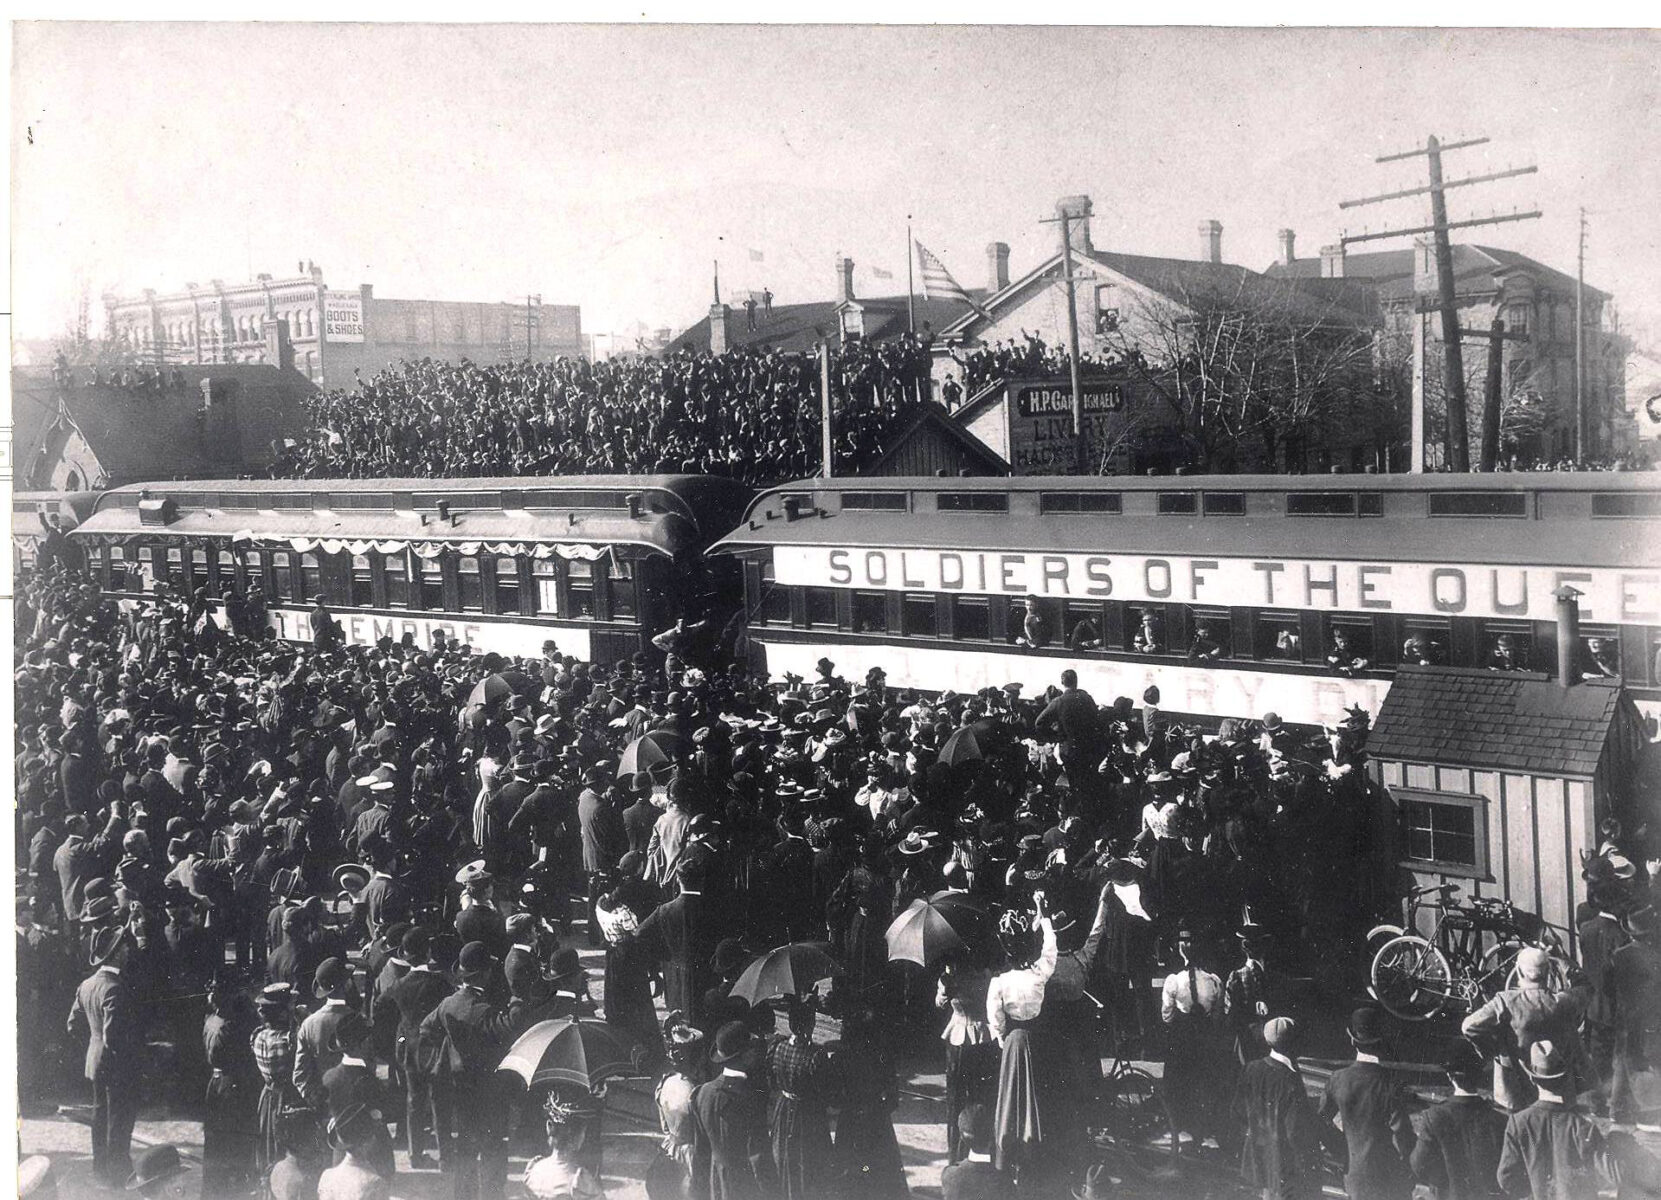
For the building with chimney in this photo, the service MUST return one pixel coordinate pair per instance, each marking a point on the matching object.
(336, 332)
(1534, 300)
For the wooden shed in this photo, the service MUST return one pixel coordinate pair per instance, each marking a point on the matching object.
(1499, 780)
(937, 444)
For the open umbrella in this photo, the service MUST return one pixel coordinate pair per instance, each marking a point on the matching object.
(581, 1053)
(786, 971)
(963, 746)
(650, 749)
(930, 928)
(498, 686)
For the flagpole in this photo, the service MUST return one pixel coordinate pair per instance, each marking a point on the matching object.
(910, 287)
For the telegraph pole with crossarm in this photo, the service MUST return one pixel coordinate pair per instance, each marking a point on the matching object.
(1457, 453)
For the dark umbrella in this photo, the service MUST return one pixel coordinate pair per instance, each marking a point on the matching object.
(580, 1053)
(498, 686)
(930, 928)
(650, 749)
(963, 746)
(786, 971)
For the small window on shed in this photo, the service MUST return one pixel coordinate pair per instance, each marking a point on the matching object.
(1443, 832)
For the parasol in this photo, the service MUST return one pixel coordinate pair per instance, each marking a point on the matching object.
(787, 970)
(963, 746)
(931, 928)
(581, 1053)
(498, 686)
(650, 749)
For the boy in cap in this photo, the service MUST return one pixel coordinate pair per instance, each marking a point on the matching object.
(1552, 1150)
(1282, 1151)
(1369, 1106)
(1457, 1154)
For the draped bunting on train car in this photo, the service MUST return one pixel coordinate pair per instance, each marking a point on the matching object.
(305, 545)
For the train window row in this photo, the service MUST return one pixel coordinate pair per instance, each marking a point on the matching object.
(605, 589)
(1344, 643)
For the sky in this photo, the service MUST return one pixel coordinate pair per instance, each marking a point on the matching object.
(610, 166)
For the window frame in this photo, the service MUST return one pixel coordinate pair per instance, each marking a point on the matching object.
(1476, 805)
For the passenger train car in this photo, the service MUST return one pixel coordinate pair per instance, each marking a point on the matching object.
(36, 514)
(592, 564)
(1235, 595)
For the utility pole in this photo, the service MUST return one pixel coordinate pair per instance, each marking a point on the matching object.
(1081, 452)
(824, 410)
(1580, 438)
(910, 287)
(1457, 454)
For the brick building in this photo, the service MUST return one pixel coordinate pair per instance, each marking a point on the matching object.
(335, 331)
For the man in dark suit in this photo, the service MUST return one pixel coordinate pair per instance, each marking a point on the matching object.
(417, 993)
(104, 1010)
(1366, 1098)
(384, 900)
(975, 1178)
(479, 920)
(1552, 1148)
(1458, 1150)
(640, 818)
(478, 1033)
(314, 1043)
(351, 1082)
(731, 1156)
(162, 800)
(680, 935)
(1282, 1151)
(604, 840)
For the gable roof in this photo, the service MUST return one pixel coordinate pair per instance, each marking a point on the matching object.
(800, 327)
(1513, 721)
(935, 423)
(155, 434)
(1392, 271)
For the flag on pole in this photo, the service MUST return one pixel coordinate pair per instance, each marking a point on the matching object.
(879, 273)
(938, 283)
(757, 256)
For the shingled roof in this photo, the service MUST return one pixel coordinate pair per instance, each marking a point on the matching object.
(1511, 721)
(1475, 270)
(801, 327)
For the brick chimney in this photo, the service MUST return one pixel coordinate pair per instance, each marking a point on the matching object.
(279, 348)
(1332, 261)
(1288, 254)
(1211, 241)
(844, 278)
(997, 266)
(720, 328)
(1078, 210)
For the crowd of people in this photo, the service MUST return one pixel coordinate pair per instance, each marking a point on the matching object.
(318, 892)
(1029, 358)
(748, 414)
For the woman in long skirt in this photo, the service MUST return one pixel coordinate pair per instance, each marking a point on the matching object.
(866, 1153)
(669, 1176)
(230, 1119)
(798, 1121)
(273, 1046)
(1013, 1002)
(969, 1047)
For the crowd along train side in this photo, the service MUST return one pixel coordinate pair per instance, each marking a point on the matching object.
(1234, 595)
(593, 565)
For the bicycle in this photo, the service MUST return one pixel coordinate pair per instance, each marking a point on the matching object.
(1416, 977)
(1136, 1122)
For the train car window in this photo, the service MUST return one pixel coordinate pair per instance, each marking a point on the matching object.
(1655, 660)
(1225, 504)
(311, 578)
(1146, 627)
(1425, 641)
(773, 605)
(1082, 623)
(972, 502)
(623, 603)
(917, 616)
(200, 576)
(226, 570)
(1600, 653)
(1626, 504)
(175, 566)
(1507, 646)
(582, 588)
(971, 618)
(282, 500)
(1178, 503)
(1279, 637)
(470, 581)
(238, 500)
(1443, 830)
(545, 577)
(507, 585)
(374, 500)
(363, 594)
(1320, 504)
(397, 579)
(432, 583)
(821, 607)
(875, 501)
(1213, 635)
(1370, 504)
(1081, 502)
(282, 565)
(1478, 504)
(1349, 646)
(870, 612)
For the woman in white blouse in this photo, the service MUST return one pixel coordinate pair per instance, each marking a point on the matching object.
(963, 987)
(1013, 1001)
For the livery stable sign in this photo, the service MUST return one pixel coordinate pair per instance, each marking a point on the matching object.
(1041, 439)
(1472, 590)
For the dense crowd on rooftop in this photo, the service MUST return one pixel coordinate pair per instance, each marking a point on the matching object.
(329, 885)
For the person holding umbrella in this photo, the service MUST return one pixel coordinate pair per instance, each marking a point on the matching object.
(800, 1127)
(964, 981)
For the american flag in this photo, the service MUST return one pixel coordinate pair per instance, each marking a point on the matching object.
(879, 273)
(938, 283)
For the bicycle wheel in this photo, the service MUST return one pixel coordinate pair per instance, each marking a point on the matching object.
(1497, 970)
(1411, 978)
(1136, 1119)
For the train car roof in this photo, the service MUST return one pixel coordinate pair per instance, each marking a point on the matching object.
(680, 513)
(1622, 543)
(1551, 481)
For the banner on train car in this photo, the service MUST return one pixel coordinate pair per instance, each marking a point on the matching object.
(503, 637)
(1473, 590)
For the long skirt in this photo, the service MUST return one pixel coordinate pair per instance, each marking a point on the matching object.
(801, 1145)
(274, 1098)
(229, 1134)
(1019, 1125)
(968, 1070)
(867, 1155)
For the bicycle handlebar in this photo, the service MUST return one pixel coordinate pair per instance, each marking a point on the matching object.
(1447, 889)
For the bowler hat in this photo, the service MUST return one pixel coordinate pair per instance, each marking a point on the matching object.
(1546, 1063)
(733, 1040)
(106, 943)
(476, 961)
(1366, 1028)
(331, 974)
(353, 1127)
(154, 1165)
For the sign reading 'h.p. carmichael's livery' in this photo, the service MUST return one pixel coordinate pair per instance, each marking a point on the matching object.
(1472, 590)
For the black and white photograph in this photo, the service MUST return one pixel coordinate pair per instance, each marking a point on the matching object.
(834, 611)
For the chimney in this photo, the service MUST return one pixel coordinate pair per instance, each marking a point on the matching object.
(1211, 241)
(720, 328)
(1077, 210)
(997, 267)
(1568, 634)
(279, 349)
(844, 278)
(1287, 253)
(1332, 261)
(1424, 266)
